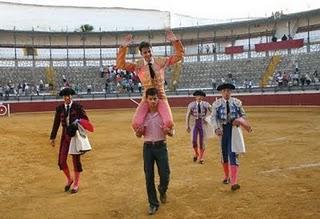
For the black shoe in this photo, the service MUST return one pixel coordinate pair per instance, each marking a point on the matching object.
(163, 198)
(195, 159)
(152, 210)
(74, 190)
(163, 195)
(226, 181)
(201, 162)
(67, 187)
(235, 187)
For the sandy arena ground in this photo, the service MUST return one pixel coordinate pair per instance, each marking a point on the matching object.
(279, 175)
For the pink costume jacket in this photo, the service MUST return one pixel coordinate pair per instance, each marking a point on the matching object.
(141, 69)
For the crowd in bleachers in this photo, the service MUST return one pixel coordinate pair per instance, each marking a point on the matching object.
(298, 70)
(119, 81)
(283, 79)
(21, 89)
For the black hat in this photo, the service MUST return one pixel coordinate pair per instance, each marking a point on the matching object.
(67, 91)
(226, 86)
(199, 93)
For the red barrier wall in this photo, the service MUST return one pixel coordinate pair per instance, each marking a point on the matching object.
(279, 45)
(234, 49)
(306, 99)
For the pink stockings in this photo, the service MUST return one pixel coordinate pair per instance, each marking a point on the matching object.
(234, 169)
(142, 110)
(76, 180)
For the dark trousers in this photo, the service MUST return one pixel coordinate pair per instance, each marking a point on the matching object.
(227, 155)
(156, 154)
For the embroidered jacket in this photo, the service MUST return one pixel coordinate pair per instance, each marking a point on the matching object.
(159, 64)
(219, 111)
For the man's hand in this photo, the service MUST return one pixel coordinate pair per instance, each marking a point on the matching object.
(170, 36)
(139, 132)
(218, 132)
(235, 122)
(52, 142)
(188, 130)
(168, 131)
(127, 40)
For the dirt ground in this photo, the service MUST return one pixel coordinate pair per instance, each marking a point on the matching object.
(279, 174)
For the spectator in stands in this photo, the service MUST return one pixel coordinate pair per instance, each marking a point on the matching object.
(196, 124)
(41, 85)
(213, 48)
(76, 88)
(296, 79)
(37, 90)
(131, 85)
(207, 49)
(139, 87)
(308, 79)
(274, 39)
(101, 70)
(19, 88)
(65, 83)
(200, 48)
(151, 72)
(284, 37)
(250, 85)
(27, 89)
(315, 76)
(6, 92)
(303, 79)
(106, 86)
(233, 81)
(296, 65)
(89, 88)
(213, 84)
(66, 114)
(246, 83)
(285, 78)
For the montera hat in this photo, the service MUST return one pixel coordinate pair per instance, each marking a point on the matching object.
(67, 91)
(199, 93)
(226, 86)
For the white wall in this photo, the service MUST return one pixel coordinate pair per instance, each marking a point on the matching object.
(58, 18)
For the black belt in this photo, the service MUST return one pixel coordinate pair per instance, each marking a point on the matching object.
(155, 143)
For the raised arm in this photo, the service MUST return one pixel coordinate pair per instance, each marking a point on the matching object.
(179, 50)
(121, 56)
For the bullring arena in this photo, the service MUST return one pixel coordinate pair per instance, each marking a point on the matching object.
(277, 81)
(279, 173)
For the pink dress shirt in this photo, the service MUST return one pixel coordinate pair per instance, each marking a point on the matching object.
(153, 127)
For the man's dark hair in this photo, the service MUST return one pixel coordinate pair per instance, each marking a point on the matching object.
(144, 44)
(151, 92)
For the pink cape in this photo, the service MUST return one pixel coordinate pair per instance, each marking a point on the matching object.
(87, 125)
(244, 124)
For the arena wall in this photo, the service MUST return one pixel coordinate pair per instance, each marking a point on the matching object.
(286, 99)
